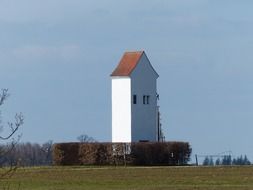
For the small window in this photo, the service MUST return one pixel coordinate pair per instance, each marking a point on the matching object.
(147, 99)
(143, 141)
(134, 99)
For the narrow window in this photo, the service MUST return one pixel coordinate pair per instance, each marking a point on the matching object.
(148, 99)
(144, 99)
(134, 99)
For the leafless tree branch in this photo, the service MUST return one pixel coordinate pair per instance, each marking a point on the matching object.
(13, 127)
(19, 120)
(4, 95)
(85, 138)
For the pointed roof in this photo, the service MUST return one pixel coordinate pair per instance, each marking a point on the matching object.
(127, 63)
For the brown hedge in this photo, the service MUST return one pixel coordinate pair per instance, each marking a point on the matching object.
(143, 153)
(66, 154)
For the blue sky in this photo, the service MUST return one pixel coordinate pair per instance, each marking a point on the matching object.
(56, 57)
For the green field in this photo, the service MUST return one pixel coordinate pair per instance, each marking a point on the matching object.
(176, 178)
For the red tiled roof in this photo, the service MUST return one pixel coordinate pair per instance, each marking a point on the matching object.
(127, 63)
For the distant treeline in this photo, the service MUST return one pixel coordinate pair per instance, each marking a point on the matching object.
(26, 154)
(226, 161)
(143, 153)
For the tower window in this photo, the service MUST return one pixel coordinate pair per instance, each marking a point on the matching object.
(145, 99)
(134, 99)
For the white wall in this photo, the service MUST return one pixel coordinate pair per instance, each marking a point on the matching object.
(144, 116)
(121, 109)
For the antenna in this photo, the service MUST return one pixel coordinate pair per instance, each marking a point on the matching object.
(160, 135)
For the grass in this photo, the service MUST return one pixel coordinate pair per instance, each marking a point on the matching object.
(134, 178)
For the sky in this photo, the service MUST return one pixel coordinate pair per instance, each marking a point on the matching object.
(56, 57)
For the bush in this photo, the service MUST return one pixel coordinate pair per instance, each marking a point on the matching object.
(167, 153)
(66, 154)
(143, 153)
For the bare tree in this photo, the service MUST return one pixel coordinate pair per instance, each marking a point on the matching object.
(30, 154)
(85, 138)
(12, 128)
(19, 118)
(47, 149)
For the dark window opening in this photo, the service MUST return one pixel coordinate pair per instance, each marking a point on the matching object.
(146, 99)
(134, 99)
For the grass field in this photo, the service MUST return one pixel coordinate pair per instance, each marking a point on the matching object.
(159, 178)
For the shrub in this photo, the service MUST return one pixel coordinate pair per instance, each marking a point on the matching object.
(142, 153)
(66, 154)
(167, 153)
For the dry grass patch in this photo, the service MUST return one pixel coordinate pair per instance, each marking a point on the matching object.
(134, 178)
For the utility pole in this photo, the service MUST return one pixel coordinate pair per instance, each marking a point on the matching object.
(196, 158)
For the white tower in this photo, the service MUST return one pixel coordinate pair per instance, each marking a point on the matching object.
(134, 100)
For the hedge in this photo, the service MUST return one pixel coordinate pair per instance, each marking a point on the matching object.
(142, 153)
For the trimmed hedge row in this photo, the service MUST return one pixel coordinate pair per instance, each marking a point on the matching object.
(143, 153)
